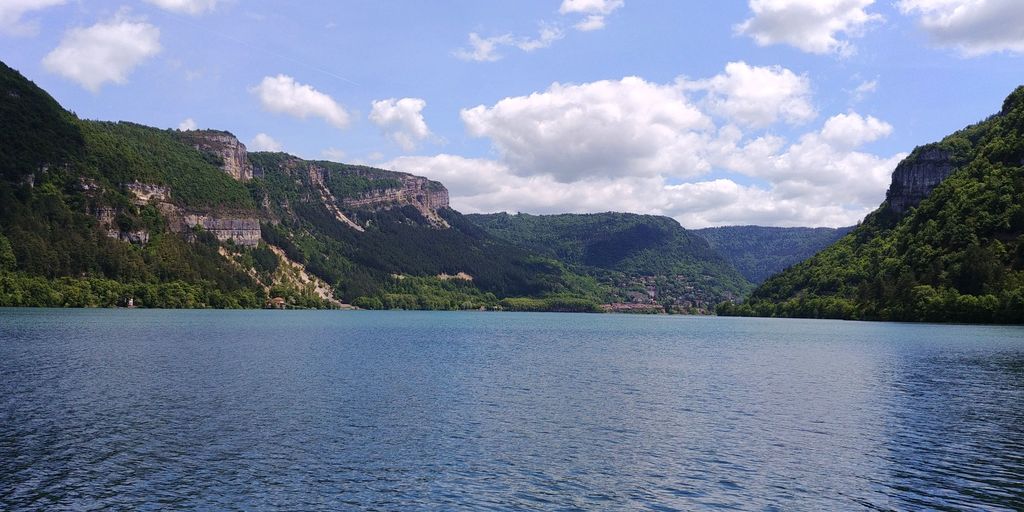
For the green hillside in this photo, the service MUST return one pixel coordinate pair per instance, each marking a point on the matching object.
(56, 169)
(96, 213)
(760, 252)
(629, 253)
(957, 257)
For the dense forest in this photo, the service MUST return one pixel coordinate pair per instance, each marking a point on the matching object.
(371, 267)
(760, 252)
(73, 232)
(958, 256)
(629, 253)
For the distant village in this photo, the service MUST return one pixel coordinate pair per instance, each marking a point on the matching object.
(661, 294)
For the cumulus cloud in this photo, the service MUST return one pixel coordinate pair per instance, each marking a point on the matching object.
(638, 146)
(192, 7)
(12, 13)
(105, 52)
(481, 185)
(800, 195)
(594, 11)
(974, 27)
(814, 26)
(757, 96)
(485, 49)
(188, 124)
(402, 120)
(607, 128)
(826, 167)
(853, 130)
(264, 142)
(283, 95)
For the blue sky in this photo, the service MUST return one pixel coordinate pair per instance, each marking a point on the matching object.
(774, 112)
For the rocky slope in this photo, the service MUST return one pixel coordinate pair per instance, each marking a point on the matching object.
(93, 213)
(226, 149)
(916, 177)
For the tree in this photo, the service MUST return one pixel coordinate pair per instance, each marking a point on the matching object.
(7, 260)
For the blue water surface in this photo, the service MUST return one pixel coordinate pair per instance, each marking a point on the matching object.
(260, 410)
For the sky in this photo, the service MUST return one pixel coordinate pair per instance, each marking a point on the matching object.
(768, 112)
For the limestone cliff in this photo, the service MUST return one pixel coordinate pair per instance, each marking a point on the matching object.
(429, 197)
(349, 191)
(917, 175)
(232, 155)
(243, 228)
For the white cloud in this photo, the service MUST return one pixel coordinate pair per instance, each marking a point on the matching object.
(482, 49)
(594, 10)
(606, 128)
(105, 52)
(590, 6)
(865, 88)
(12, 12)
(633, 145)
(814, 26)
(192, 7)
(264, 142)
(283, 95)
(852, 130)
(757, 96)
(592, 22)
(974, 27)
(402, 120)
(485, 49)
(826, 167)
(483, 186)
(188, 124)
(548, 34)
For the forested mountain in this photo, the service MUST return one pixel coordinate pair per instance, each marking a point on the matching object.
(645, 259)
(759, 252)
(946, 245)
(99, 213)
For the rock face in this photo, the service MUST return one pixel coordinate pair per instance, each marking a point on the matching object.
(244, 231)
(388, 189)
(235, 159)
(916, 177)
(107, 218)
(425, 195)
(143, 193)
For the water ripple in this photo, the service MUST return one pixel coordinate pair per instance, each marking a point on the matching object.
(381, 411)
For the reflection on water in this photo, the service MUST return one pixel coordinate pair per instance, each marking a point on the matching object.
(329, 410)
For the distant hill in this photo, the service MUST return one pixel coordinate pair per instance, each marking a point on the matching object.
(96, 213)
(634, 254)
(947, 245)
(760, 252)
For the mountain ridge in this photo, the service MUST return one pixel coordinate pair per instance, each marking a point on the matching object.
(93, 213)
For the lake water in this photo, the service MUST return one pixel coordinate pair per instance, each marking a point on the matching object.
(137, 409)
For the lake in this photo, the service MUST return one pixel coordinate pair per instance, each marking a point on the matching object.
(141, 409)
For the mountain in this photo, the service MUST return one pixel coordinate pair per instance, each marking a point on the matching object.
(98, 213)
(946, 245)
(643, 259)
(759, 252)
